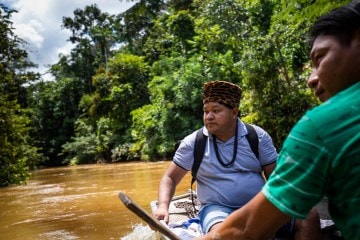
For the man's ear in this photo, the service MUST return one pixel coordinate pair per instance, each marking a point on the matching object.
(235, 113)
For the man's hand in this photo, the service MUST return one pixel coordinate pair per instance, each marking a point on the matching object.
(162, 213)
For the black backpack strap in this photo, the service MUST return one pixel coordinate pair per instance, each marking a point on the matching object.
(199, 149)
(253, 139)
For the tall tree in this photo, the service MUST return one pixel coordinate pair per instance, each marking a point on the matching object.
(93, 35)
(134, 24)
(17, 156)
(105, 127)
(57, 103)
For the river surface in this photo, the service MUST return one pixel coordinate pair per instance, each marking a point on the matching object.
(80, 202)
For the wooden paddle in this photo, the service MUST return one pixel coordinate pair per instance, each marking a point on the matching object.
(140, 212)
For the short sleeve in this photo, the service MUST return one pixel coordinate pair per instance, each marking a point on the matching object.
(297, 183)
(184, 156)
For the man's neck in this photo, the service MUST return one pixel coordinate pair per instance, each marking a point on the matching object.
(227, 134)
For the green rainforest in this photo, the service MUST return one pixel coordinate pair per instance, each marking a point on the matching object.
(131, 86)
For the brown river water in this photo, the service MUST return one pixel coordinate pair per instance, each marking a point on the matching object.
(80, 202)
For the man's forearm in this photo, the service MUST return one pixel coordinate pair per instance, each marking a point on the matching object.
(166, 192)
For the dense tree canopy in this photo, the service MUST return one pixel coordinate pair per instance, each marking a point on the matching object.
(131, 87)
(17, 155)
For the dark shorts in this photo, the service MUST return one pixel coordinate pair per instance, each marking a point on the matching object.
(286, 231)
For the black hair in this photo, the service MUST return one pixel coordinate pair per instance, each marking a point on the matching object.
(341, 23)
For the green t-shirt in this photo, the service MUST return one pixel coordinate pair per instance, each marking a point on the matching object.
(321, 157)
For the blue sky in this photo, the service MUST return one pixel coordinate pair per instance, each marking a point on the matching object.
(38, 22)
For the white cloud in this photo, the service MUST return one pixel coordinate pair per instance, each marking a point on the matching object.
(38, 22)
(31, 32)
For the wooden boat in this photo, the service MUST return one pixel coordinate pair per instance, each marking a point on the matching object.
(140, 212)
(182, 209)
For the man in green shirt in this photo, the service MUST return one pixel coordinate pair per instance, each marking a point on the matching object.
(321, 155)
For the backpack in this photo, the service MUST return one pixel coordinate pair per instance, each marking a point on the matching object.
(199, 149)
